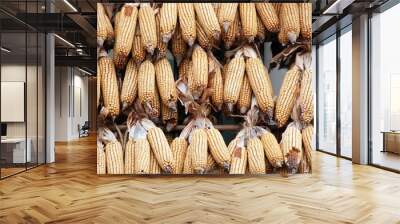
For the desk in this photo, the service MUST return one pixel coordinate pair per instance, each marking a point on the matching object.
(391, 141)
(16, 147)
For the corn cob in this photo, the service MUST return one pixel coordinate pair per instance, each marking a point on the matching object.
(98, 81)
(211, 164)
(166, 83)
(142, 156)
(105, 30)
(226, 15)
(244, 101)
(268, 16)
(291, 145)
(161, 46)
(179, 147)
(155, 110)
(114, 155)
(147, 24)
(124, 38)
(208, 20)
(277, 7)
(161, 149)
(248, 17)
(306, 97)
(138, 50)
(199, 153)
(217, 86)
(130, 157)
(101, 159)
(187, 165)
(168, 20)
(232, 146)
(147, 84)
(129, 86)
(154, 167)
(261, 31)
(305, 11)
(255, 155)
(200, 70)
(272, 149)
(287, 96)
(202, 38)
(178, 46)
(233, 81)
(169, 117)
(229, 37)
(307, 136)
(109, 86)
(183, 68)
(187, 22)
(260, 85)
(289, 22)
(217, 147)
(238, 161)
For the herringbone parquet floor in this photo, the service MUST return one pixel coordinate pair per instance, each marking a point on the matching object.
(69, 191)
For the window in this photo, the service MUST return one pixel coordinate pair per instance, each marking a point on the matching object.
(327, 96)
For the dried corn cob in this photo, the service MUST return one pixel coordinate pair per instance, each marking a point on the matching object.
(248, 17)
(138, 50)
(179, 147)
(200, 71)
(98, 81)
(217, 86)
(272, 149)
(217, 147)
(226, 15)
(202, 38)
(124, 38)
(288, 95)
(178, 46)
(307, 136)
(105, 30)
(101, 159)
(147, 23)
(187, 165)
(291, 145)
(161, 46)
(142, 156)
(211, 164)
(154, 167)
(183, 68)
(244, 101)
(169, 117)
(268, 16)
(233, 80)
(306, 98)
(187, 22)
(229, 37)
(168, 19)
(166, 83)
(161, 149)
(116, 22)
(277, 7)
(289, 22)
(129, 157)
(147, 84)
(129, 86)
(232, 146)
(260, 85)
(109, 86)
(199, 153)
(208, 20)
(114, 154)
(238, 161)
(261, 31)
(155, 110)
(305, 11)
(255, 155)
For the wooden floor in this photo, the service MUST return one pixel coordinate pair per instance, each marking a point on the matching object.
(69, 191)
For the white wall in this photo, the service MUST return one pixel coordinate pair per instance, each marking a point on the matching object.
(70, 84)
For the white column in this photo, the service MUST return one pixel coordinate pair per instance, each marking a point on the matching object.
(360, 90)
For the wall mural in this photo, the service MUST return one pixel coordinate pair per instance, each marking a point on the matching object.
(185, 88)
